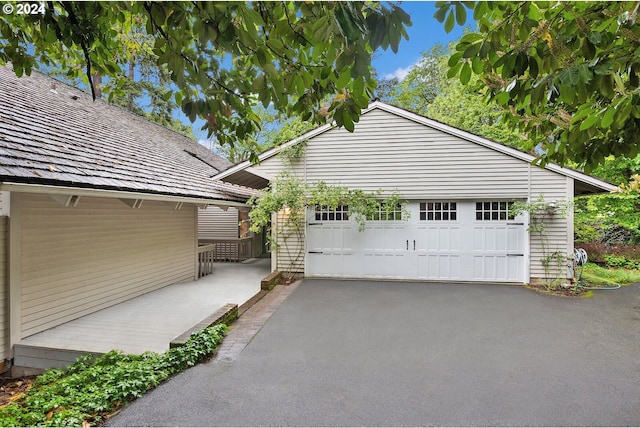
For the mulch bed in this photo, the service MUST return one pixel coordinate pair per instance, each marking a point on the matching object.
(13, 389)
(571, 291)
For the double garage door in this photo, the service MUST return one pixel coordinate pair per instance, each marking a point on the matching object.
(441, 240)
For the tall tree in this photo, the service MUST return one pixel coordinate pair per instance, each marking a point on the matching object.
(569, 72)
(427, 90)
(225, 57)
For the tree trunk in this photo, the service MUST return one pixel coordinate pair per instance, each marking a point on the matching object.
(131, 76)
(97, 85)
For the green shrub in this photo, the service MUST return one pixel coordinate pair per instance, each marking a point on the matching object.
(94, 387)
(614, 261)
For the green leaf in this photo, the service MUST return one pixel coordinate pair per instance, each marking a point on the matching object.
(465, 73)
(589, 122)
(449, 23)
(607, 118)
(461, 14)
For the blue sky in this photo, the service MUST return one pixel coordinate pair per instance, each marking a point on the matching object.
(424, 34)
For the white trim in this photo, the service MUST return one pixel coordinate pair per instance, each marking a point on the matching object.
(274, 151)
(14, 275)
(100, 193)
(435, 125)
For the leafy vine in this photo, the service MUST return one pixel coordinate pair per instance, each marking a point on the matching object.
(540, 213)
(288, 198)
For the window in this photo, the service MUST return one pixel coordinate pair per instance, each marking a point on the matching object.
(494, 210)
(438, 211)
(385, 214)
(323, 212)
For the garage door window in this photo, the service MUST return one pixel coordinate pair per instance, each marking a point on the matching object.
(325, 213)
(438, 211)
(384, 214)
(494, 210)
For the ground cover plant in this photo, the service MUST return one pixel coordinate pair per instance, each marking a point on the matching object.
(93, 388)
(594, 275)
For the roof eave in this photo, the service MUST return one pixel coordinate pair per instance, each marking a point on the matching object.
(114, 194)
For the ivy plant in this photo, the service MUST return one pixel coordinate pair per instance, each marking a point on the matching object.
(291, 197)
(540, 213)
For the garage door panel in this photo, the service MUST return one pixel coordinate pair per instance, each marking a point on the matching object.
(439, 267)
(332, 265)
(384, 238)
(497, 268)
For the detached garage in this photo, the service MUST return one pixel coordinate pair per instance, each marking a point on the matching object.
(459, 189)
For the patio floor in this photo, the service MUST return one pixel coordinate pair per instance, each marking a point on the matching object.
(151, 321)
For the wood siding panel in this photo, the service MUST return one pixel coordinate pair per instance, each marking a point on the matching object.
(290, 250)
(395, 154)
(76, 261)
(4, 303)
(553, 187)
(215, 223)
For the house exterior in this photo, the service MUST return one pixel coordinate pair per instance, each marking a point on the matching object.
(458, 189)
(97, 205)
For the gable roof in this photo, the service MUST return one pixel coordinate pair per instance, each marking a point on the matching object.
(584, 184)
(54, 135)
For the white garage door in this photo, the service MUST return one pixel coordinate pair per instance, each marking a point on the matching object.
(442, 240)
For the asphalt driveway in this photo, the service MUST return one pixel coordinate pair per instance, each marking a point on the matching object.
(353, 353)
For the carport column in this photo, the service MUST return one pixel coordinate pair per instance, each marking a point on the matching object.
(570, 220)
(15, 262)
(274, 253)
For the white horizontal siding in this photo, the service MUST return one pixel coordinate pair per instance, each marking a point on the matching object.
(215, 223)
(4, 337)
(75, 261)
(553, 187)
(290, 249)
(395, 154)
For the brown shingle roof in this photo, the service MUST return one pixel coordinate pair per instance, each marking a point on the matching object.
(54, 134)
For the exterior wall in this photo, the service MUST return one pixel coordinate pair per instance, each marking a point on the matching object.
(290, 251)
(558, 228)
(395, 154)
(4, 301)
(215, 223)
(76, 261)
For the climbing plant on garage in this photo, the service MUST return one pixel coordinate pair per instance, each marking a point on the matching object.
(287, 199)
(540, 214)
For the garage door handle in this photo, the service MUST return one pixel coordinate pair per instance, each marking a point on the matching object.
(316, 252)
(515, 224)
(515, 255)
(414, 245)
(315, 224)
(407, 244)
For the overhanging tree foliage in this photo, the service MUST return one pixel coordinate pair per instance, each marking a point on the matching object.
(569, 72)
(427, 90)
(224, 57)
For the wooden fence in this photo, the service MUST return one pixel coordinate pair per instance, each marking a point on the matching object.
(222, 250)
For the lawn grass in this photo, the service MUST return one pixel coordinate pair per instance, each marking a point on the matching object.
(594, 275)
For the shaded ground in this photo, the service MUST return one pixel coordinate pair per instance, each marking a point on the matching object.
(353, 353)
(12, 389)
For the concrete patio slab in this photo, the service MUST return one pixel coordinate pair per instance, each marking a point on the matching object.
(151, 321)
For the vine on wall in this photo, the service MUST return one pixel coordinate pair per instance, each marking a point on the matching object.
(541, 213)
(288, 198)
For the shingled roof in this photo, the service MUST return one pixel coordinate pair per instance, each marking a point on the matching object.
(56, 135)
